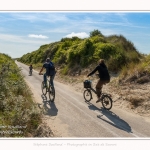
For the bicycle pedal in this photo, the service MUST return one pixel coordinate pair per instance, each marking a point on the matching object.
(97, 101)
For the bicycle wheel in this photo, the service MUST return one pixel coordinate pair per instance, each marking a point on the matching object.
(106, 102)
(44, 89)
(87, 95)
(51, 93)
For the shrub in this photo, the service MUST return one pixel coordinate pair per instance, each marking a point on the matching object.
(16, 104)
(97, 39)
(104, 50)
(95, 33)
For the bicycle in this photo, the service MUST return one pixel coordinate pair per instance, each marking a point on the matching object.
(48, 88)
(30, 72)
(105, 98)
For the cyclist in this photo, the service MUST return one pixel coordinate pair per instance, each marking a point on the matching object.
(103, 75)
(50, 71)
(30, 69)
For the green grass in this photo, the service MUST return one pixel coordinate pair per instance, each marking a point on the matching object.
(18, 113)
(136, 70)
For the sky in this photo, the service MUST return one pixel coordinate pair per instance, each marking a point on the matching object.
(22, 32)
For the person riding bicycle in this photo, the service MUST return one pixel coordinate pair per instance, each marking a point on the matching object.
(103, 75)
(50, 71)
(30, 68)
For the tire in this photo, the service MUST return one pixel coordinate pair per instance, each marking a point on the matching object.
(107, 102)
(44, 89)
(51, 93)
(87, 95)
(30, 72)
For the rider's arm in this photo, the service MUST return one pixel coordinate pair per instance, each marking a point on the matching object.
(93, 71)
(41, 70)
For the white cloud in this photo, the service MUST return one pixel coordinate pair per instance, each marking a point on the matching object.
(21, 39)
(80, 35)
(16, 46)
(37, 36)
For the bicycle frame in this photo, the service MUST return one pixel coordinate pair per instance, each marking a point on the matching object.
(30, 72)
(92, 89)
(49, 80)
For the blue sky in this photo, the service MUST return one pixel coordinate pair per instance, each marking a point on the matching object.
(23, 32)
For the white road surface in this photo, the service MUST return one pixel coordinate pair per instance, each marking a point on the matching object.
(70, 116)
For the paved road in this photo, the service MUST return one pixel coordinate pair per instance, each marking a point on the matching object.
(71, 116)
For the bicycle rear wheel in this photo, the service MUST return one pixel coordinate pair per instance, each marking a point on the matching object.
(51, 93)
(87, 95)
(106, 102)
(44, 89)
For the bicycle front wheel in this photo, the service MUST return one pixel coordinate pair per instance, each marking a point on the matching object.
(51, 93)
(107, 102)
(87, 95)
(44, 89)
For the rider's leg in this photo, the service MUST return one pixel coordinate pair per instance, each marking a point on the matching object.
(45, 79)
(51, 80)
(99, 88)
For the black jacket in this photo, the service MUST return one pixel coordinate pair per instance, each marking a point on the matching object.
(103, 72)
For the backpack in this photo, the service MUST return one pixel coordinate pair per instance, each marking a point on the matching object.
(51, 69)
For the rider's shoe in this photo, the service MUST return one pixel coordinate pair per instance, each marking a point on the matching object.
(99, 99)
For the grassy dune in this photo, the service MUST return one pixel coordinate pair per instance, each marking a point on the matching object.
(19, 116)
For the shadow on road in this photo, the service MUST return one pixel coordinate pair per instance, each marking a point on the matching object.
(49, 108)
(111, 118)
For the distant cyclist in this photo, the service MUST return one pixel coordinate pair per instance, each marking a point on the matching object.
(103, 75)
(50, 71)
(30, 69)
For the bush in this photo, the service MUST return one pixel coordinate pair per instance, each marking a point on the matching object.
(95, 33)
(98, 39)
(16, 104)
(104, 50)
